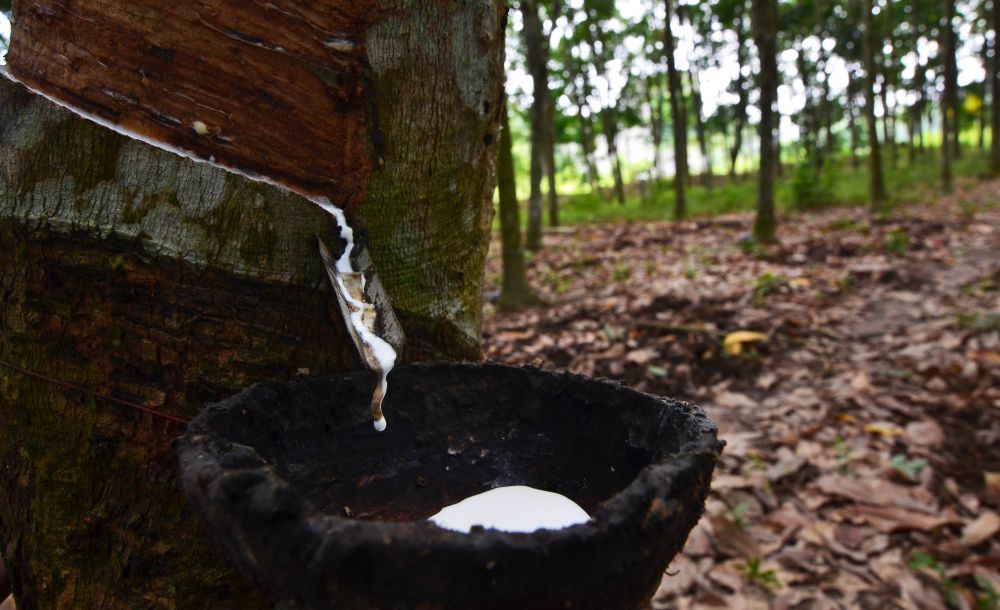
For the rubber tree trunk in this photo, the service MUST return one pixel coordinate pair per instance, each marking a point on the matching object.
(653, 90)
(826, 107)
(809, 124)
(535, 52)
(948, 111)
(578, 89)
(851, 108)
(994, 77)
(887, 65)
(876, 184)
(765, 28)
(742, 93)
(984, 90)
(514, 290)
(609, 121)
(138, 274)
(542, 105)
(700, 128)
(678, 117)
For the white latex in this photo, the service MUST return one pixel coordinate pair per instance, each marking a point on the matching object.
(516, 508)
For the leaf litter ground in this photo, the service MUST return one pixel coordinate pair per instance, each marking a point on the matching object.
(861, 404)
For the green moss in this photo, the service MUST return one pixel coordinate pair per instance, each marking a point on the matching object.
(57, 153)
(242, 216)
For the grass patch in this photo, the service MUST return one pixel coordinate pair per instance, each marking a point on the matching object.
(843, 185)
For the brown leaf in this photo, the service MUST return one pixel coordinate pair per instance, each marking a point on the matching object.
(734, 400)
(926, 433)
(731, 539)
(992, 480)
(982, 529)
(642, 356)
(890, 519)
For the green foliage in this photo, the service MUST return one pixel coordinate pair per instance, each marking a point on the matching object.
(979, 322)
(752, 247)
(656, 371)
(613, 333)
(622, 273)
(897, 242)
(812, 188)
(922, 560)
(968, 208)
(766, 284)
(988, 598)
(910, 468)
(753, 570)
(559, 283)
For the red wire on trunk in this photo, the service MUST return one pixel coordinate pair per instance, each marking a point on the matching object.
(118, 401)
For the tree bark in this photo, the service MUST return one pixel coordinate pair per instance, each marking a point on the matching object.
(948, 96)
(765, 28)
(700, 128)
(742, 95)
(144, 276)
(852, 126)
(654, 99)
(514, 291)
(609, 120)
(876, 188)
(578, 90)
(994, 76)
(984, 91)
(809, 125)
(678, 118)
(826, 108)
(535, 54)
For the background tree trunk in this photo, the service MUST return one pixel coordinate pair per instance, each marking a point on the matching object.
(876, 185)
(993, 74)
(141, 275)
(700, 128)
(765, 27)
(948, 111)
(851, 108)
(514, 291)
(535, 52)
(678, 118)
(742, 93)
(609, 120)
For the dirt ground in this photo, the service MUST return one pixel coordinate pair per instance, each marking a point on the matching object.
(854, 371)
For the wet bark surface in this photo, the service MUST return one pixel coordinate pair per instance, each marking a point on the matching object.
(327, 513)
(261, 86)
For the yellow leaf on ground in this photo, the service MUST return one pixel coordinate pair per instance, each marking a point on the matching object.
(799, 282)
(734, 341)
(883, 429)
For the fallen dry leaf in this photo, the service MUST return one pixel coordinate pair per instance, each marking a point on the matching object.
(888, 519)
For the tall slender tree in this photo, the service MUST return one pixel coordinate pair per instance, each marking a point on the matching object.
(993, 72)
(765, 33)
(948, 96)
(514, 290)
(876, 185)
(678, 116)
(535, 53)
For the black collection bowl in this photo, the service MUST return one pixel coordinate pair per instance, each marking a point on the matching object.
(323, 512)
